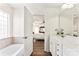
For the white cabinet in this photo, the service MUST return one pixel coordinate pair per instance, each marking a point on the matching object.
(56, 46)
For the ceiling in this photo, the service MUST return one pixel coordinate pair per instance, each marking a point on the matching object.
(49, 9)
(43, 8)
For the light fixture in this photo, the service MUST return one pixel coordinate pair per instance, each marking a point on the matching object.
(66, 6)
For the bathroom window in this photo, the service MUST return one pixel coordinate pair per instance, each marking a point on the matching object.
(4, 26)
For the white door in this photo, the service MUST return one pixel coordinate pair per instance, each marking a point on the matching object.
(28, 32)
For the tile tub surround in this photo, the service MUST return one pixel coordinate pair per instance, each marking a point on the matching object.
(18, 40)
(10, 40)
(5, 42)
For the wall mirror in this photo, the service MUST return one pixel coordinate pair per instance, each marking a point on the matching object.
(75, 24)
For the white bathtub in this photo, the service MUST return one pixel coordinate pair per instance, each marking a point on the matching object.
(13, 50)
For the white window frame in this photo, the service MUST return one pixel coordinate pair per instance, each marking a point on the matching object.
(4, 26)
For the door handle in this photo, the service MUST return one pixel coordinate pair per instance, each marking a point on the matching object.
(25, 37)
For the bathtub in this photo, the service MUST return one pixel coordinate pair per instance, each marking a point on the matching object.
(13, 50)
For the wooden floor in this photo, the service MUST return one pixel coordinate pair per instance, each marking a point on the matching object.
(38, 49)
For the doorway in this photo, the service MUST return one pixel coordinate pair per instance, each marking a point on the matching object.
(39, 36)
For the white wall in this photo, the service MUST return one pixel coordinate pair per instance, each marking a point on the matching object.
(67, 24)
(18, 24)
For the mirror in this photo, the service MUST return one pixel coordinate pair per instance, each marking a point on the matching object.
(75, 24)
